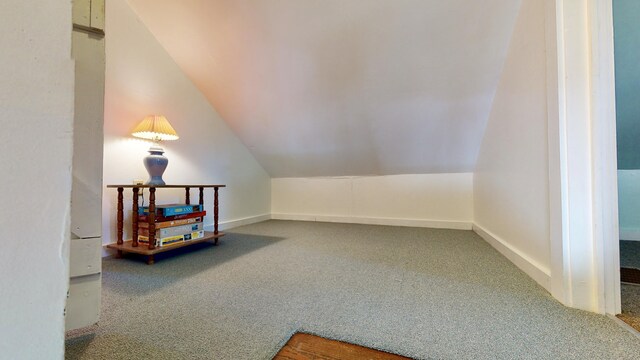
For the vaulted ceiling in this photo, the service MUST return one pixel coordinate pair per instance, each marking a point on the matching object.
(344, 87)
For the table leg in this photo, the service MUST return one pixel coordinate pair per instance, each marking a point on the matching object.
(120, 216)
(152, 219)
(150, 260)
(215, 212)
(134, 219)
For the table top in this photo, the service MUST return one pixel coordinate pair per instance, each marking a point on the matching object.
(167, 186)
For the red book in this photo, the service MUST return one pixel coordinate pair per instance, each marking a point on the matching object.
(145, 218)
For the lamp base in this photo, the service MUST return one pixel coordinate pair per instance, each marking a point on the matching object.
(155, 180)
(156, 164)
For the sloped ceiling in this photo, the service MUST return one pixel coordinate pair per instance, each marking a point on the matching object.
(344, 87)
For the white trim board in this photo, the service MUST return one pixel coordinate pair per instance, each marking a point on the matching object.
(436, 224)
(230, 224)
(582, 155)
(530, 267)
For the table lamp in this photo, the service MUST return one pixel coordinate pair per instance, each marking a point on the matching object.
(155, 128)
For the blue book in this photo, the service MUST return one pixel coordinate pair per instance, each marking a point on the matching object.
(171, 209)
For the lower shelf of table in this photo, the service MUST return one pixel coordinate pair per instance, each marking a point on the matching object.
(143, 249)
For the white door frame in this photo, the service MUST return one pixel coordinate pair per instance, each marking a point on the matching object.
(605, 156)
(583, 196)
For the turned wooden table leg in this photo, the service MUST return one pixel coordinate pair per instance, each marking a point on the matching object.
(120, 220)
(201, 199)
(134, 219)
(215, 213)
(152, 248)
(152, 220)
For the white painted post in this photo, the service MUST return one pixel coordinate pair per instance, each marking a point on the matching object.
(604, 152)
(582, 155)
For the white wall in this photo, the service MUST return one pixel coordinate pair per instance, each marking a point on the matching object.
(142, 79)
(511, 182)
(36, 113)
(629, 204)
(434, 200)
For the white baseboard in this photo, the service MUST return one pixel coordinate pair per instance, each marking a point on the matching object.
(230, 224)
(630, 234)
(535, 270)
(438, 224)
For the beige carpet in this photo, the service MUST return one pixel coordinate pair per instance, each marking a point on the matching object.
(421, 293)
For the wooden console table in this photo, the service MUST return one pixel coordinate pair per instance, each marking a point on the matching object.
(132, 246)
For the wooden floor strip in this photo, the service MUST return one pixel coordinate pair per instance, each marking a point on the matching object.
(306, 347)
(630, 275)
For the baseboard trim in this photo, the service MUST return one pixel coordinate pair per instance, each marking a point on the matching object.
(230, 224)
(631, 234)
(437, 224)
(536, 271)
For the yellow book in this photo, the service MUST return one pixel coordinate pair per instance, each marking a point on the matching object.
(173, 239)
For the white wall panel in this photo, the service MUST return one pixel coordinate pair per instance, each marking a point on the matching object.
(83, 303)
(312, 196)
(436, 200)
(629, 204)
(85, 257)
(434, 196)
(511, 183)
(36, 113)
(86, 195)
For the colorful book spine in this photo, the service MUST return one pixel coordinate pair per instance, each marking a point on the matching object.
(171, 209)
(173, 231)
(173, 239)
(166, 224)
(162, 242)
(145, 218)
(194, 235)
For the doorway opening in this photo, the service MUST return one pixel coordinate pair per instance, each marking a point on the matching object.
(627, 79)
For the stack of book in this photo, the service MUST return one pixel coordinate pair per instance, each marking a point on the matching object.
(174, 223)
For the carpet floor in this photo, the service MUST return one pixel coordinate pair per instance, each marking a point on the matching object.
(630, 254)
(421, 293)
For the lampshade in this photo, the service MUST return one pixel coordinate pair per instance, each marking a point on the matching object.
(155, 127)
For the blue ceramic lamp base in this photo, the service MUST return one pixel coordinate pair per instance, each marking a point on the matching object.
(155, 163)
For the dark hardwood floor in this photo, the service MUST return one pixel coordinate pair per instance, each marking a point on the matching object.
(307, 347)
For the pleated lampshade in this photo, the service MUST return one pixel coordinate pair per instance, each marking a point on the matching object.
(155, 127)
